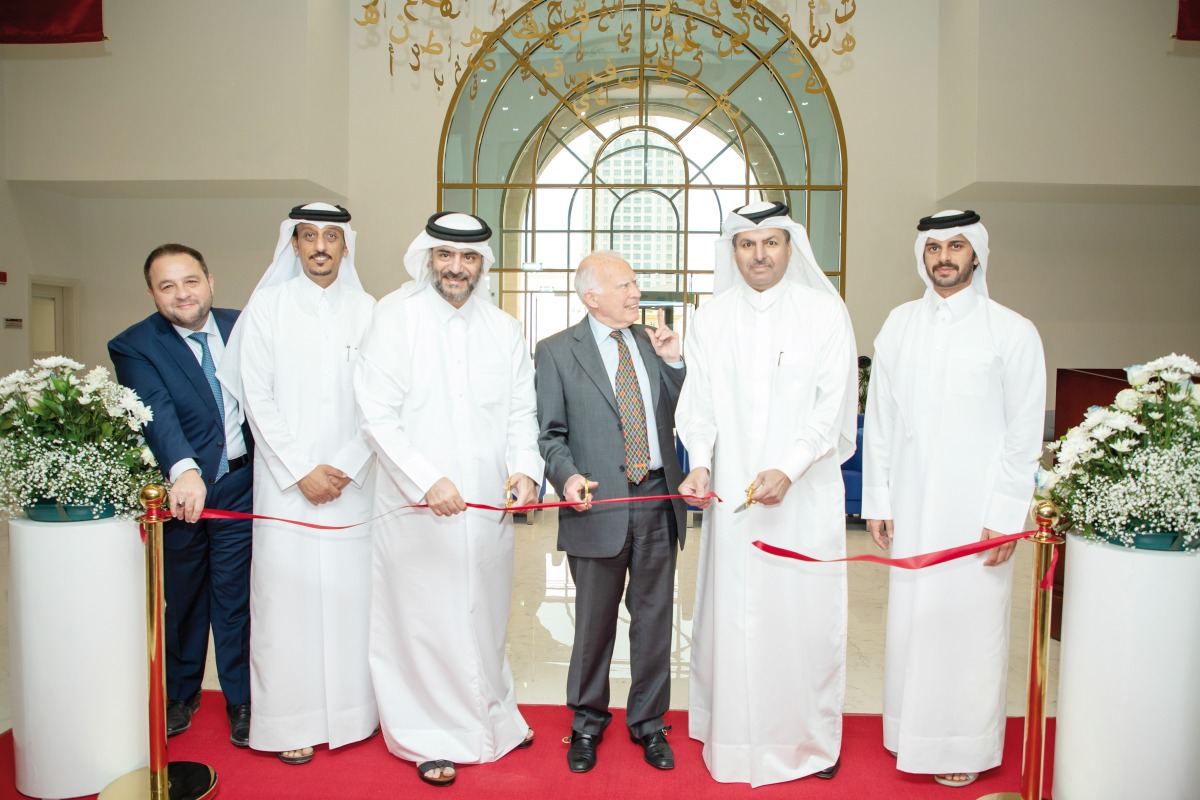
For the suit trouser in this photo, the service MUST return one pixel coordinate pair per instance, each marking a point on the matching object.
(206, 580)
(648, 557)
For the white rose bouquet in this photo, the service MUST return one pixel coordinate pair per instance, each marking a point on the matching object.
(1133, 467)
(77, 441)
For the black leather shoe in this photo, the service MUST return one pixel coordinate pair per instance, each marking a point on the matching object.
(655, 749)
(179, 714)
(239, 724)
(582, 755)
(828, 773)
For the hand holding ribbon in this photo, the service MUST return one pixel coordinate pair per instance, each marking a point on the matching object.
(443, 499)
(695, 488)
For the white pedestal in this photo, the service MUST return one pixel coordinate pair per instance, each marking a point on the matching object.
(1128, 695)
(77, 652)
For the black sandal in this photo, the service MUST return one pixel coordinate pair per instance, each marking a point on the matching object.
(429, 766)
(296, 760)
(525, 745)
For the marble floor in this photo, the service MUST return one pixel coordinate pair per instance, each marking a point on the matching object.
(542, 620)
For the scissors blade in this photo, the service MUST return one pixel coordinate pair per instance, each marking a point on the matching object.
(742, 508)
(510, 497)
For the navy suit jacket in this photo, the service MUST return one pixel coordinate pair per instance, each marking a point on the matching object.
(152, 359)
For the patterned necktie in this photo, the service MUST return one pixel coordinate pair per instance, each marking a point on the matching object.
(633, 414)
(210, 373)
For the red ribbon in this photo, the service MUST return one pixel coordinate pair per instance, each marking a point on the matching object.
(216, 513)
(924, 559)
(1048, 579)
(911, 562)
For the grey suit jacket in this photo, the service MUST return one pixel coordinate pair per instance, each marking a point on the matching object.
(580, 432)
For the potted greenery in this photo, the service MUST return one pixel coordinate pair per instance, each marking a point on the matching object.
(71, 447)
(864, 382)
(1128, 480)
(1130, 472)
(72, 450)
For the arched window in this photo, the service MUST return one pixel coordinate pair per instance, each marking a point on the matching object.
(636, 127)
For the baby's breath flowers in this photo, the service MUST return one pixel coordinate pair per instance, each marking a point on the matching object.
(77, 440)
(1134, 466)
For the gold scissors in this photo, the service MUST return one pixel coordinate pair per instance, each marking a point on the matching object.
(508, 498)
(749, 499)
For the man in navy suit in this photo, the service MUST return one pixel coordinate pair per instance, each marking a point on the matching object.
(200, 438)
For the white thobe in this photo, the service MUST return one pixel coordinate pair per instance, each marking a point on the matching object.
(766, 388)
(309, 594)
(445, 392)
(953, 431)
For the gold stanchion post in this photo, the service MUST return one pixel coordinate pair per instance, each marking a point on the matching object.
(161, 780)
(1046, 514)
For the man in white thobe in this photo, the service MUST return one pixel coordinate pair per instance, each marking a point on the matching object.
(768, 405)
(291, 361)
(446, 392)
(952, 436)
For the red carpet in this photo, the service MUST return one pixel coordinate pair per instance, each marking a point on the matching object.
(366, 770)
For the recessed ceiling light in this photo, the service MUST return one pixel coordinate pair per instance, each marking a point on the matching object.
(505, 108)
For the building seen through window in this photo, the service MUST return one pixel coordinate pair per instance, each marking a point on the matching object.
(585, 138)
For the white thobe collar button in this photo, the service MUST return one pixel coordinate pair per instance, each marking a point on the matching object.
(942, 315)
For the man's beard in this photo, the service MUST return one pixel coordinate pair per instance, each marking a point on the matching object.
(949, 282)
(454, 297)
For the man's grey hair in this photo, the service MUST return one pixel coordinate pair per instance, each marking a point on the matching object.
(585, 276)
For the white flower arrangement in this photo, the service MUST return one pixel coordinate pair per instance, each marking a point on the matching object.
(74, 440)
(1133, 467)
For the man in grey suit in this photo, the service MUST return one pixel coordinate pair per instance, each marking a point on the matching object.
(606, 395)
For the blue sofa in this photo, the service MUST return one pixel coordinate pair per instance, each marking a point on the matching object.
(852, 475)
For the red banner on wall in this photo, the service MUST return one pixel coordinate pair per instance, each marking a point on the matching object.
(1188, 27)
(51, 21)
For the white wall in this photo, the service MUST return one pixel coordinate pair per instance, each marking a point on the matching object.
(1071, 127)
(1108, 285)
(185, 91)
(1087, 92)
(891, 151)
(202, 123)
(14, 259)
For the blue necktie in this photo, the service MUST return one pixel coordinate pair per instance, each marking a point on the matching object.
(210, 373)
